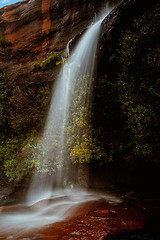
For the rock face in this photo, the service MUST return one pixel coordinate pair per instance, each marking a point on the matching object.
(34, 25)
(53, 22)
(119, 19)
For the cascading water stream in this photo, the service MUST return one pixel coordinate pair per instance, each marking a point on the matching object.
(53, 151)
(45, 206)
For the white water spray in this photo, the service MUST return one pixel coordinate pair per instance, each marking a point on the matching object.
(53, 152)
(45, 206)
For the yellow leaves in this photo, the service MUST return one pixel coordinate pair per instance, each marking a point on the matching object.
(86, 150)
(153, 58)
(80, 122)
(51, 59)
(81, 153)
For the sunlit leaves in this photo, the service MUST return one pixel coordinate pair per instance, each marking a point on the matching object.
(51, 59)
(82, 141)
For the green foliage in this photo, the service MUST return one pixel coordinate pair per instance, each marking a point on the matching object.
(9, 151)
(139, 83)
(124, 113)
(81, 141)
(51, 59)
(21, 112)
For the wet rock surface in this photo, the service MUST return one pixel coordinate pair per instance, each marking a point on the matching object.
(100, 220)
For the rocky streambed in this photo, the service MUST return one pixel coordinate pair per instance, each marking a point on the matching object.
(99, 219)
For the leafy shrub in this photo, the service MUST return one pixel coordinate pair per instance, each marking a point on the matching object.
(51, 59)
(21, 115)
(139, 83)
(81, 141)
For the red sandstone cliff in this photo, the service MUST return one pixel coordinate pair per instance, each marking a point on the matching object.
(32, 23)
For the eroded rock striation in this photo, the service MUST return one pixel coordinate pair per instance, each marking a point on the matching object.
(32, 26)
(51, 21)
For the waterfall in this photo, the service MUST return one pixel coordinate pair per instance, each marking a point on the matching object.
(72, 92)
(75, 76)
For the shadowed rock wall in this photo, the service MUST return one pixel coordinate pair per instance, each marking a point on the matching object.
(119, 19)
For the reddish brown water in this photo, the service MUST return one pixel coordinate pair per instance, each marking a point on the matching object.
(95, 220)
